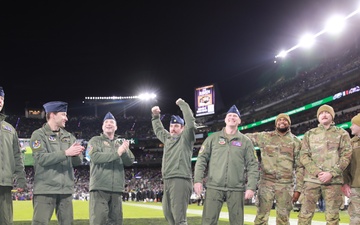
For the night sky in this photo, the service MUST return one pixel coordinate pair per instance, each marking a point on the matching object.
(57, 51)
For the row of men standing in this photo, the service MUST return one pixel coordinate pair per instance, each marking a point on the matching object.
(317, 165)
(228, 155)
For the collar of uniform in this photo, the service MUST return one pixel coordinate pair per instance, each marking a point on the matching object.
(48, 130)
(2, 117)
(103, 136)
(236, 135)
(322, 126)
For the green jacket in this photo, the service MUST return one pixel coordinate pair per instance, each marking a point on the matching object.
(280, 157)
(352, 172)
(327, 150)
(11, 163)
(106, 166)
(54, 172)
(231, 163)
(178, 150)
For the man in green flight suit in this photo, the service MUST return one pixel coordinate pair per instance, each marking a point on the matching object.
(108, 156)
(11, 166)
(230, 157)
(176, 161)
(55, 153)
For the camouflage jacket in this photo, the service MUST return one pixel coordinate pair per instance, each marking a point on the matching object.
(280, 157)
(352, 172)
(327, 150)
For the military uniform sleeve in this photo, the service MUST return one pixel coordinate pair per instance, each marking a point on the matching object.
(158, 128)
(254, 137)
(305, 156)
(251, 165)
(189, 118)
(299, 168)
(42, 155)
(76, 160)
(19, 164)
(128, 157)
(97, 156)
(345, 152)
(202, 160)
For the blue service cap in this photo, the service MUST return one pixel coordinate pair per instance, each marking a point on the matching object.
(176, 119)
(55, 106)
(109, 116)
(233, 109)
(2, 93)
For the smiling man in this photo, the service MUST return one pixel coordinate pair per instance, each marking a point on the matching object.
(230, 158)
(280, 166)
(108, 157)
(176, 161)
(325, 153)
(55, 153)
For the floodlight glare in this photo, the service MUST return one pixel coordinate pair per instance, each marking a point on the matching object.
(282, 54)
(307, 41)
(146, 96)
(335, 24)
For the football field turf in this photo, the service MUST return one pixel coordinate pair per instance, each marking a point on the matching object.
(150, 213)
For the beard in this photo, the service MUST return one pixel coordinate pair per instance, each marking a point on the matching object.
(283, 130)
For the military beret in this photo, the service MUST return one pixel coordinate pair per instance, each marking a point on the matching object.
(2, 93)
(233, 109)
(55, 106)
(176, 119)
(109, 116)
(356, 119)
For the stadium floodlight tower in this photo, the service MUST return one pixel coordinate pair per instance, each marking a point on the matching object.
(125, 101)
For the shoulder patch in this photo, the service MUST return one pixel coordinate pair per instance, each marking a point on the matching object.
(36, 144)
(202, 149)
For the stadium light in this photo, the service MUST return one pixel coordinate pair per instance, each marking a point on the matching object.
(146, 96)
(307, 41)
(334, 25)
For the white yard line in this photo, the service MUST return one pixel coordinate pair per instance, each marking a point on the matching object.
(225, 215)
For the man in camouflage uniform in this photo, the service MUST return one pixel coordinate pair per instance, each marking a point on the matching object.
(351, 187)
(325, 153)
(230, 158)
(176, 161)
(280, 151)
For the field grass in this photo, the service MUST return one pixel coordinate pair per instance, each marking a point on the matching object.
(140, 213)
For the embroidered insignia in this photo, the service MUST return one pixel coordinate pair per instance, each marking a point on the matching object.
(222, 141)
(106, 143)
(52, 138)
(36, 144)
(202, 149)
(65, 139)
(236, 143)
(5, 127)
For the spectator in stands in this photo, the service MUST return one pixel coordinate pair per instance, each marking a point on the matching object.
(230, 156)
(280, 165)
(108, 156)
(176, 161)
(351, 187)
(11, 165)
(55, 153)
(325, 153)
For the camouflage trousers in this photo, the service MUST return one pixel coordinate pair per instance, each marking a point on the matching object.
(269, 191)
(333, 197)
(354, 206)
